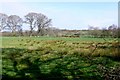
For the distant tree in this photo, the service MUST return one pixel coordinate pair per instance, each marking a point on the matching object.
(3, 21)
(52, 31)
(20, 32)
(94, 31)
(14, 22)
(31, 20)
(113, 30)
(42, 22)
(104, 33)
(90, 27)
(118, 32)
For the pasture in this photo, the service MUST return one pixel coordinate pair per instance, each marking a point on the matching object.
(61, 58)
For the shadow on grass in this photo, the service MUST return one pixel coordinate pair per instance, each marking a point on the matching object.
(31, 71)
(23, 64)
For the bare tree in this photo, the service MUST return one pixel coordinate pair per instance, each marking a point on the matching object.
(3, 21)
(42, 22)
(39, 21)
(31, 20)
(14, 22)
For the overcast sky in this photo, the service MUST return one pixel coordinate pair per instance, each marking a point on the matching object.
(67, 15)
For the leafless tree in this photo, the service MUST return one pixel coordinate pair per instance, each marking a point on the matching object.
(31, 20)
(39, 21)
(42, 22)
(14, 22)
(3, 20)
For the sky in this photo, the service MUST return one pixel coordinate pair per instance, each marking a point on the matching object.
(67, 15)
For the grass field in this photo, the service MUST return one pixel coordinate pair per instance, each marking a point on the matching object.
(46, 58)
(15, 41)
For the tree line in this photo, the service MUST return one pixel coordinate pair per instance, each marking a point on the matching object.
(41, 25)
(14, 23)
(112, 31)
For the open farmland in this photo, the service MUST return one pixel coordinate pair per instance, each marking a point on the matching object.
(46, 58)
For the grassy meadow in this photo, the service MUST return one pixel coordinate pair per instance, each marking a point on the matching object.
(61, 58)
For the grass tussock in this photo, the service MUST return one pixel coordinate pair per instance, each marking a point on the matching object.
(35, 59)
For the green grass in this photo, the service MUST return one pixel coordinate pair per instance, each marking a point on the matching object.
(59, 58)
(15, 41)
